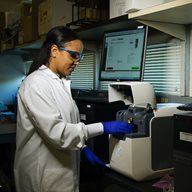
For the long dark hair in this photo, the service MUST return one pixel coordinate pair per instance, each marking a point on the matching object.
(59, 36)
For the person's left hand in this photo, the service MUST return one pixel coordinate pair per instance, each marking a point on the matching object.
(92, 158)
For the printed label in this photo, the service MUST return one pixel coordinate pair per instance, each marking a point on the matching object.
(186, 136)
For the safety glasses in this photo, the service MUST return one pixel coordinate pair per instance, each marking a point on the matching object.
(74, 55)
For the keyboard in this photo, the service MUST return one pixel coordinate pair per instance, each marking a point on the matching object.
(185, 107)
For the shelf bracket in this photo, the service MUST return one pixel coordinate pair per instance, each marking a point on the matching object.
(176, 30)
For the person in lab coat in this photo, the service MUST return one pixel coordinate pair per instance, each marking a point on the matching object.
(49, 135)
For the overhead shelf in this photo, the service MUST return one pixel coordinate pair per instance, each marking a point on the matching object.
(95, 31)
(169, 17)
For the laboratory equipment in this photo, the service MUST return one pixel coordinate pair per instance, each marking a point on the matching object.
(185, 107)
(182, 151)
(147, 152)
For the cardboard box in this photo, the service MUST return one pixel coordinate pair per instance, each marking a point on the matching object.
(26, 9)
(53, 13)
(26, 35)
(2, 20)
(120, 7)
(28, 23)
(11, 18)
(93, 14)
(35, 12)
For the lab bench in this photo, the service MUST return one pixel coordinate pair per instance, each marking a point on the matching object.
(7, 151)
(116, 182)
(7, 132)
(111, 181)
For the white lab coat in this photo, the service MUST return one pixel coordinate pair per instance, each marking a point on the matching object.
(49, 135)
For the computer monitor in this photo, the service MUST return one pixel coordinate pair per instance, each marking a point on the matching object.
(123, 54)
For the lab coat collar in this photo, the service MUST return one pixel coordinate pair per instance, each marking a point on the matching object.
(64, 80)
(49, 72)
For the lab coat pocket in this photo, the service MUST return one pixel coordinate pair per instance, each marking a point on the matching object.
(58, 180)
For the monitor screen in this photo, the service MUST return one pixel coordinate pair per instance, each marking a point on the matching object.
(123, 54)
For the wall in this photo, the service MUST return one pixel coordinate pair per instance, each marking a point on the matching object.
(12, 72)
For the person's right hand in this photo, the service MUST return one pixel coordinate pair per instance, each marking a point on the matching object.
(113, 127)
(92, 158)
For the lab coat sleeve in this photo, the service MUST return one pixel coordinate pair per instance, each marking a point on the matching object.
(94, 129)
(48, 122)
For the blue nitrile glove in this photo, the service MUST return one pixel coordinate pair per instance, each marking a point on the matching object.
(92, 158)
(113, 127)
